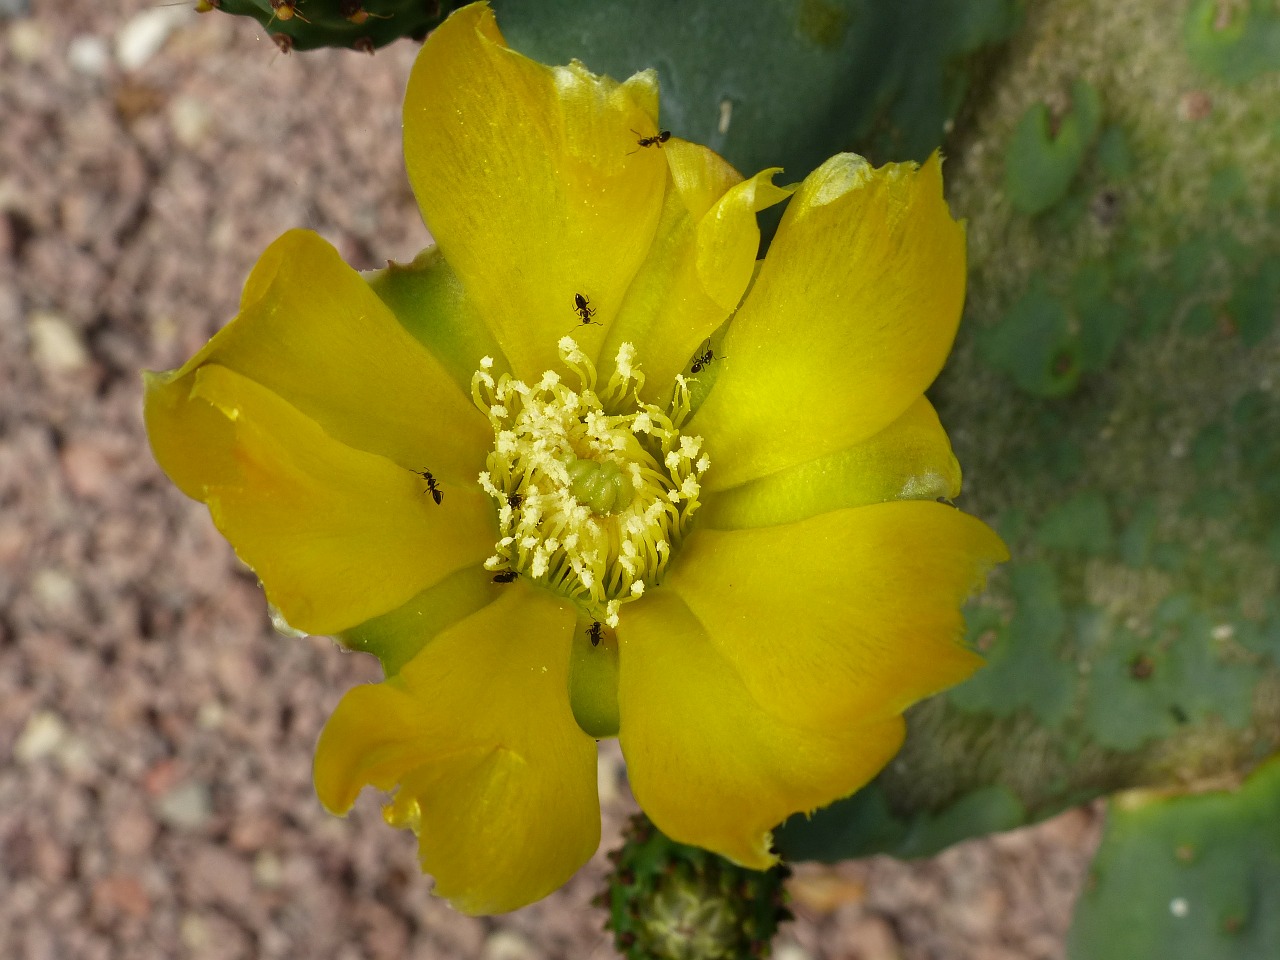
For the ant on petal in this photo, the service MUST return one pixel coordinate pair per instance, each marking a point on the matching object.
(582, 307)
(657, 140)
(433, 486)
(702, 360)
(505, 576)
(595, 632)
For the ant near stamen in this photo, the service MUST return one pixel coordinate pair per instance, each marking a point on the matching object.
(505, 576)
(582, 307)
(702, 360)
(595, 632)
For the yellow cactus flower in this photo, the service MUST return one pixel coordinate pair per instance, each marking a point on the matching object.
(587, 469)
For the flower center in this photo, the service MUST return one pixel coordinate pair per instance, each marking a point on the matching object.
(594, 488)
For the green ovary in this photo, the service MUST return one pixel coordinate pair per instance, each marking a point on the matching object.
(600, 485)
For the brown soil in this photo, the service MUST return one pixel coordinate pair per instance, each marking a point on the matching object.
(155, 734)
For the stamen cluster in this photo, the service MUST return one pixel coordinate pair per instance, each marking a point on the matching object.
(594, 488)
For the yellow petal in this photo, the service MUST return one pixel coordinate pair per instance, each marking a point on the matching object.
(709, 762)
(428, 299)
(336, 535)
(396, 637)
(311, 331)
(729, 237)
(699, 267)
(910, 459)
(494, 774)
(844, 618)
(850, 319)
(532, 182)
(699, 175)
(192, 442)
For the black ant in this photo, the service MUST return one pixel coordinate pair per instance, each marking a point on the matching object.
(582, 307)
(657, 140)
(703, 359)
(505, 576)
(514, 500)
(433, 486)
(595, 632)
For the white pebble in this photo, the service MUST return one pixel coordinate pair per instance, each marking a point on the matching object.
(186, 806)
(89, 54)
(268, 871)
(193, 931)
(55, 346)
(508, 945)
(28, 41)
(41, 736)
(791, 951)
(189, 117)
(145, 33)
(55, 590)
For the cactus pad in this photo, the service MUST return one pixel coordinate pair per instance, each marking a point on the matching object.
(362, 25)
(1185, 878)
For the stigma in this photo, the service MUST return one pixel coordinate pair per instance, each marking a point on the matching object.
(594, 488)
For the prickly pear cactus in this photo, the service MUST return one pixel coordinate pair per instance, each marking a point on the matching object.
(1115, 400)
(1186, 877)
(668, 901)
(1114, 397)
(361, 25)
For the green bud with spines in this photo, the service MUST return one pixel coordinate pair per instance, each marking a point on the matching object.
(670, 901)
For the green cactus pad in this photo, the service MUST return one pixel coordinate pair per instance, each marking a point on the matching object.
(767, 84)
(864, 824)
(669, 901)
(1186, 878)
(361, 25)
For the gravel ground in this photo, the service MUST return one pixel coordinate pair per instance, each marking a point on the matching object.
(155, 734)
